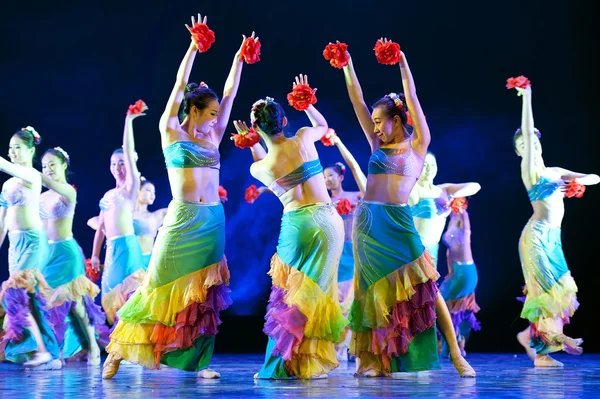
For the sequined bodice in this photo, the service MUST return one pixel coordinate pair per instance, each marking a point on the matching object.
(298, 176)
(394, 161)
(16, 194)
(144, 227)
(456, 236)
(543, 189)
(110, 200)
(428, 208)
(57, 209)
(187, 154)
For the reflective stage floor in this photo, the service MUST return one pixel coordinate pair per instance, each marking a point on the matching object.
(499, 375)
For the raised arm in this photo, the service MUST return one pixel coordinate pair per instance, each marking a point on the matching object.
(258, 152)
(461, 189)
(169, 121)
(30, 175)
(359, 176)
(528, 172)
(358, 103)
(582, 178)
(64, 189)
(229, 92)
(317, 120)
(132, 178)
(421, 135)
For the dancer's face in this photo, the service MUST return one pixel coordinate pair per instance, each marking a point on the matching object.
(147, 194)
(19, 153)
(333, 180)
(429, 168)
(386, 128)
(54, 167)
(520, 145)
(117, 166)
(204, 120)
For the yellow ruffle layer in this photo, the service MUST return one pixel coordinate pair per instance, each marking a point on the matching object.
(73, 291)
(30, 279)
(559, 301)
(116, 298)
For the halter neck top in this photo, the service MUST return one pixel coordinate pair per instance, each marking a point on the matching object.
(107, 203)
(428, 208)
(188, 154)
(16, 194)
(57, 210)
(144, 227)
(394, 161)
(543, 189)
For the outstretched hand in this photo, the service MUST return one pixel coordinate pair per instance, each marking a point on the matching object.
(301, 80)
(524, 91)
(253, 36)
(200, 21)
(241, 127)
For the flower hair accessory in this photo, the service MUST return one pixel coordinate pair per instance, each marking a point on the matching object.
(36, 136)
(204, 85)
(397, 100)
(341, 166)
(64, 154)
(142, 179)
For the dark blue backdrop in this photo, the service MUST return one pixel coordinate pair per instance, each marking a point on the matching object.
(71, 69)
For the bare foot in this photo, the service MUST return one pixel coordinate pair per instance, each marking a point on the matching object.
(463, 367)
(368, 374)
(546, 361)
(208, 374)
(524, 341)
(111, 366)
(39, 358)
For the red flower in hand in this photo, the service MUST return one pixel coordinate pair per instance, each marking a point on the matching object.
(387, 52)
(302, 97)
(337, 54)
(137, 108)
(202, 36)
(573, 189)
(90, 272)
(251, 194)
(222, 194)
(245, 139)
(250, 50)
(329, 138)
(520, 81)
(458, 205)
(344, 207)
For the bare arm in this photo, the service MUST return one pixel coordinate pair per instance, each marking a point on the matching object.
(98, 238)
(30, 175)
(460, 190)
(64, 189)
(421, 135)
(319, 126)
(528, 172)
(582, 178)
(169, 121)
(258, 152)
(358, 103)
(449, 262)
(94, 222)
(359, 176)
(132, 178)
(3, 227)
(229, 92)
(160, 215)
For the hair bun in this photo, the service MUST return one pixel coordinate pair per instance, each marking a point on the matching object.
(342, 167)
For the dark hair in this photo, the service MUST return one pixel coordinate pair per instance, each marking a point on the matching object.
(392, 108)
(28, 138)
(519, 133)
(144, 181)
(339, 168)
(269, 117)
(118, 151)
(60, 154)
(198, 96)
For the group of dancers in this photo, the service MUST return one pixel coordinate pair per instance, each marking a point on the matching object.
(362, 281)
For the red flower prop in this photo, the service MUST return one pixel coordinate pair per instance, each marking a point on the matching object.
(344, 207)
(222, 193)
(329, 138)
(458, 205)
(245, 140)
(574, 189)
(202, 36)
(520, 81)
(302, 97)
(137, 108)
(90, 272)
(251, 194)
(337, 54)
(387, 53)
(250, 51)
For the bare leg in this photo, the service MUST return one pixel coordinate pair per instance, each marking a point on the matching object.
(208, 374)
(90, 333)
(447, 329)
(111, 365)
(524, 338)
(42, 355)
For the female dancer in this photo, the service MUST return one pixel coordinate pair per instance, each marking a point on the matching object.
(28, 335)
(458, 288)
(430, 204)
(173, 317)
(334, 176)
(551, 291)
(123, 266)
(145, 223)
(304, 319)
(395, 295)
(72, 302)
